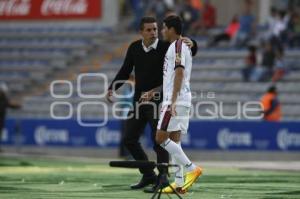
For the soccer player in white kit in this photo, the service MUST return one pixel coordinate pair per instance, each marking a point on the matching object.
(174, 117)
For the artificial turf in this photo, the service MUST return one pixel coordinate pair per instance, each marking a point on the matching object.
(32, 178)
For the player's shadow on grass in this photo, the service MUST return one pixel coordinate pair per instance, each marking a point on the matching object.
(287, 193)
(21, 163)
(5, 189)
(123, 187)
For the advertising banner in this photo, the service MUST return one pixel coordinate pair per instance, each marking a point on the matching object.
(202, 135)
(49, 9)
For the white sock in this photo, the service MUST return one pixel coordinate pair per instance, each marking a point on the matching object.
(176, 151)
(179, 179)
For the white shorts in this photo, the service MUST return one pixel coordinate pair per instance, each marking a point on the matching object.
(178, 123)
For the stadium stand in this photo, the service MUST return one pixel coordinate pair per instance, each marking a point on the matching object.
(32, 54)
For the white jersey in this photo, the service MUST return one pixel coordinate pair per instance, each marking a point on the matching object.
(178, 55)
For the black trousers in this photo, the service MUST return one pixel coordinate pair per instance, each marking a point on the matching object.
(1, 128)
(135, 126)
(123, 152)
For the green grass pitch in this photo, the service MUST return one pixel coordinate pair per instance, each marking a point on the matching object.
(33, 178)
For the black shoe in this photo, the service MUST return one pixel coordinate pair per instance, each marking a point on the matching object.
(161, 180)
(151, 189)
(145, 181)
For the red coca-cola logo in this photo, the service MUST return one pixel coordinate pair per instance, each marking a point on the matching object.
(64, 7)
(50, 9)
(14, 7)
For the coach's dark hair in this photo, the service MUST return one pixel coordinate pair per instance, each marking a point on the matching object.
(174, 21)
(147, 20)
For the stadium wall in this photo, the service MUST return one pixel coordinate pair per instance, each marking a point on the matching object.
(203, 135)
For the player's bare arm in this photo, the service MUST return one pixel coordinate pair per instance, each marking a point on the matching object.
(179, 73)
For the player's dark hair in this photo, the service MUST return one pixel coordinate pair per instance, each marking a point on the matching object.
(146, 20)
(174, 21)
